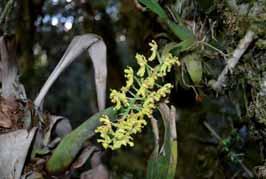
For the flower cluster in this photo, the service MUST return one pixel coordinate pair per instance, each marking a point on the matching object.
(118, 98)
(137, 100)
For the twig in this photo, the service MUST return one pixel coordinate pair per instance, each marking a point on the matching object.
(250, 174)
(217, 136)
(6, 11)
(212, 131)
(214, 48)
(239, 51)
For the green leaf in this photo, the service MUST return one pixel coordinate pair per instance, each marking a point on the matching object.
(176, 48)
(194, 67)
(155, 7)
(180, 31)
(157, 168)
(71, 144)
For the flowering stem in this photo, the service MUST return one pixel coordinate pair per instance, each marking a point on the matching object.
(158, 85)
(132, 94)
(131, 103)
(135, 98)
(137, 80)
(135, 88)
(149, 67)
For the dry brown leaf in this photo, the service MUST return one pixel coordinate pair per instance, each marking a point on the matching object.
(10, 112)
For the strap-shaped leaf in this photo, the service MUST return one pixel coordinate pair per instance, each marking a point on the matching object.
(154, 7)
(180, 31)
(178, 28)
(69, 147)
(97, 51)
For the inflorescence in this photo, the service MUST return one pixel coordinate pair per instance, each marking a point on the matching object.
(137, 99)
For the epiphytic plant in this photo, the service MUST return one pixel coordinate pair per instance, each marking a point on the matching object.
(137, 100)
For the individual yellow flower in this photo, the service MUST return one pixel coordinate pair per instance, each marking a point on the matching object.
(141, 60)
(156, 96)
(168, 61)
(120, 133)
(105, 130)
(118, 98)
(106, 121)
(154, 48)
(148, 106)
(149, 82)
(166, 89)
(105, 142)
(129, 75)
(126, 140)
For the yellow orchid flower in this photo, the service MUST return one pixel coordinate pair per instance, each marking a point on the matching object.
(154, 48)
(168, 61)
(129, 75)
(118, 98)
(141, 60)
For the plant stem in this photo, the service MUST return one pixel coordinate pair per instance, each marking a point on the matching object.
(238, 52)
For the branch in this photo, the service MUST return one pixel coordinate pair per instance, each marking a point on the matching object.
(212, 131)
(239, 51)
(218, 137)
